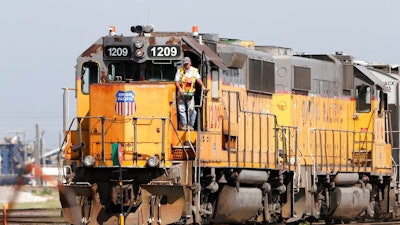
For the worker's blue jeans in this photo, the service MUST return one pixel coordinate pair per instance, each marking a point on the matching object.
(183, 104)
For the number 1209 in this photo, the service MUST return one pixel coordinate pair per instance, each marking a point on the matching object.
(117, 51)
(163, 51)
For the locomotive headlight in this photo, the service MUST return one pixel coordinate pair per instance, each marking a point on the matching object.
(138, 44)
(88, 161)
(149, 28)
(139, 53)
(152, 161)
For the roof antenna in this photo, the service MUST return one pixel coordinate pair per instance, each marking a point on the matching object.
(149, 12)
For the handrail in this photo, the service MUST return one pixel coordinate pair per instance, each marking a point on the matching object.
(240, 109)
(163, 119)
(134, 119)
(361, 142)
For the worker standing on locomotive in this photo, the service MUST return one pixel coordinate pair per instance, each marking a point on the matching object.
(185, 79)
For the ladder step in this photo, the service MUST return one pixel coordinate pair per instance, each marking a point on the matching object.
(181, 147)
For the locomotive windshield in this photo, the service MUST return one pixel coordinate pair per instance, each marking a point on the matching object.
(124, 71)
(128, 71)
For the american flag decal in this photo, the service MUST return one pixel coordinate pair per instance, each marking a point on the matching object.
(125, 104)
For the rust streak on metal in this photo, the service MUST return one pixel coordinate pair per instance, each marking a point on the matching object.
(91, 50)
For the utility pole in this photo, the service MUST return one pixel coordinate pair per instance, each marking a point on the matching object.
(42, 149)
(42, 158)
(37, 155)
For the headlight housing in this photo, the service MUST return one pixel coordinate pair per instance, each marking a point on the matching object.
(139, 44)
(139, 53)
(148, 28)
(88, 161)
(153, 161)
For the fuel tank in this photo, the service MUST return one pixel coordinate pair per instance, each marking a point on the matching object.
(252, 177)
(346, 179)
(237, 205)
(349, 202)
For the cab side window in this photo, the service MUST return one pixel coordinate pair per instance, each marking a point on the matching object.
(363, 95)
(90, 75)
(382, 101)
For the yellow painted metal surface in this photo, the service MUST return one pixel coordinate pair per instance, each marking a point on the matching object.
(152, 113)
(231, 136)
(332, 135)
(82, 102)
(247, 130)
(382, 158)
(211, 148)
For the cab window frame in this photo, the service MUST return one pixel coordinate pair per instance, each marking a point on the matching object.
(90, 74)
(363, 98)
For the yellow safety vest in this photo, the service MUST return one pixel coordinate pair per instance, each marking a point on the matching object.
(187, 83)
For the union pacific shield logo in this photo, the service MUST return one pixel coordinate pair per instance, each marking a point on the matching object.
(125, 105)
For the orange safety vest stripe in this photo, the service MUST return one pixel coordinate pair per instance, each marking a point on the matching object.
(187, 84)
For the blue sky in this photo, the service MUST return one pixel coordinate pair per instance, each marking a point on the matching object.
(40, 40)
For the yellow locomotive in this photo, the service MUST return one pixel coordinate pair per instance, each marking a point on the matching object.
(278, 137)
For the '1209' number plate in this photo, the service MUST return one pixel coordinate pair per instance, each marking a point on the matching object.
(117, 51)
(163, 51)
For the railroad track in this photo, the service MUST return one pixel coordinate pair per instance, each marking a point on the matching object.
(364, 223)
(31, 216)
(53, 216)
